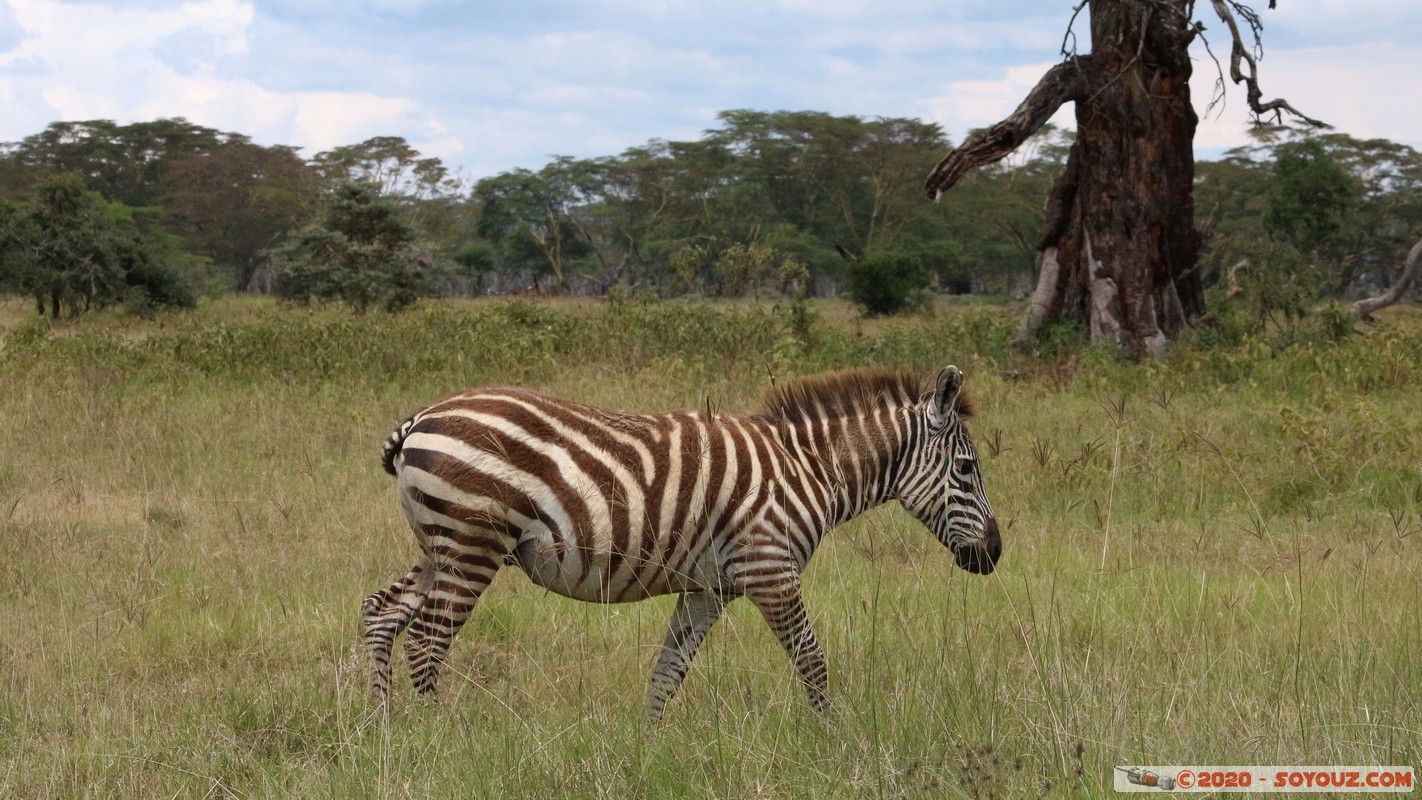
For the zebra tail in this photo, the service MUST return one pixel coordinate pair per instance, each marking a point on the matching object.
(392, 444)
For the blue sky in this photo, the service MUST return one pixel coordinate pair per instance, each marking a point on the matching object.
(490, 86)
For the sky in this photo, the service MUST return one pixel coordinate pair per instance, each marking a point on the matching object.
(492, 85)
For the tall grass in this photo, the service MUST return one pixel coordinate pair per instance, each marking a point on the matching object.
(1213, 559)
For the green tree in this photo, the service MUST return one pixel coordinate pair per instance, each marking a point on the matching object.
(232, 202)
(1310, 198)
(362, 252)
(1387, 216)
(984, 232)
(223, 196)
(71, 251)
(390, 164)
(667, 211)
(528, 216)
(829, 179)
(124, 163)
(887, 283)
(430, 195)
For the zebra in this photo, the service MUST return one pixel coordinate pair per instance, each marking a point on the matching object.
(612, 507)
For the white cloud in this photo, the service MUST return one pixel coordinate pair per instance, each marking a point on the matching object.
(1353, 88)
(72, 102)
(938, 39)
(1346, 87)
(960, 106)
(87, 61)
(90, 39)
(832, 9)
(329, 119)
(506, 83)
(225, 19)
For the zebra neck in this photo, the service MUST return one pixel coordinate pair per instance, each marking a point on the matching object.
(854, 458)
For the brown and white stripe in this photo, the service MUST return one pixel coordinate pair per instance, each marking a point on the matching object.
(610, 507)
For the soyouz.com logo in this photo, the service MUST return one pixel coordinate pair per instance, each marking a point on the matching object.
(1264, 779)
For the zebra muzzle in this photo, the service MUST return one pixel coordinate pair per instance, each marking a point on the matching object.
(981, 557)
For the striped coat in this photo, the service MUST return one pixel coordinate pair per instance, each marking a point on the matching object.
(608, 507)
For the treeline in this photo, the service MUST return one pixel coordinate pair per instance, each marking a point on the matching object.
(95, 213)
(1298, 216)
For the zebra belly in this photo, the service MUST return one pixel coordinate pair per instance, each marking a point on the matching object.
(594, 573)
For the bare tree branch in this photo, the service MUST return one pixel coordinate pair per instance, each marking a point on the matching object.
(1217, 97)
(1363, 309)
(1063, 83)
(1069, 50)
(1240, 54)
(1234, 288)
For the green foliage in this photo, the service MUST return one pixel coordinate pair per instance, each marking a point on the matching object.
(690, 216)
(123, 163)
(528, 218)
(230, 203)
(362, 253)
(73, 252)
(1348, 205)
(742, 269)
(1059, 338)
(474, 257)
(1278, 284)
(1276, 299)
(392, 166)
(887, 283)
(228, 200)
(1310, 198)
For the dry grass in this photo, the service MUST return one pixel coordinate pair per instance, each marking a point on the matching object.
(1191, 576)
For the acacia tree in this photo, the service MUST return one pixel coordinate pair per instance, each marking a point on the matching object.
(529, 217)
(233, 201)
(1118, 242)
(362, 252)
(71, 251)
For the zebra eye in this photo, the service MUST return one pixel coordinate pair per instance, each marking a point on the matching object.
(967, 464)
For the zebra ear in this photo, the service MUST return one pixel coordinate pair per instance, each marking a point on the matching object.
(946, 391)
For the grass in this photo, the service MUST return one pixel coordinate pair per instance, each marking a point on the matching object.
(1214, 559)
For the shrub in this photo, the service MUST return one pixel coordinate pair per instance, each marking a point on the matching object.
(362, 253)
(887, 283)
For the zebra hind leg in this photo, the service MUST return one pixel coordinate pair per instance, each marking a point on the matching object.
(468, 562)
(695, 613)
(387, 612)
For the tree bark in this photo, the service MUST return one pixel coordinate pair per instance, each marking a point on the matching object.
(1120, 222)
(1363, 309)
(1119, 242)
(1041, 300)
(1135, 139)
(1062, 84)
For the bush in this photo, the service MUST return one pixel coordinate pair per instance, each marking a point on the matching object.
(887, 283)
(362, 253)
(72, 251)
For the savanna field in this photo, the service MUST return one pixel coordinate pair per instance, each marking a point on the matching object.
(1214, 559)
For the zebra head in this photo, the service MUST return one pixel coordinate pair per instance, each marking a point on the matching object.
(941, 483)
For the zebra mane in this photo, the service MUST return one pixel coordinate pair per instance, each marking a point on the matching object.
(848, 393)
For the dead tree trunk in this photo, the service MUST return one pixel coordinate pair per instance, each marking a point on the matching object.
(1363, 309)
(1119, 244)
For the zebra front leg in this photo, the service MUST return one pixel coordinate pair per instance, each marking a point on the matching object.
(387, 612)
(777, 595)
(468, 564)
(695, 613)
